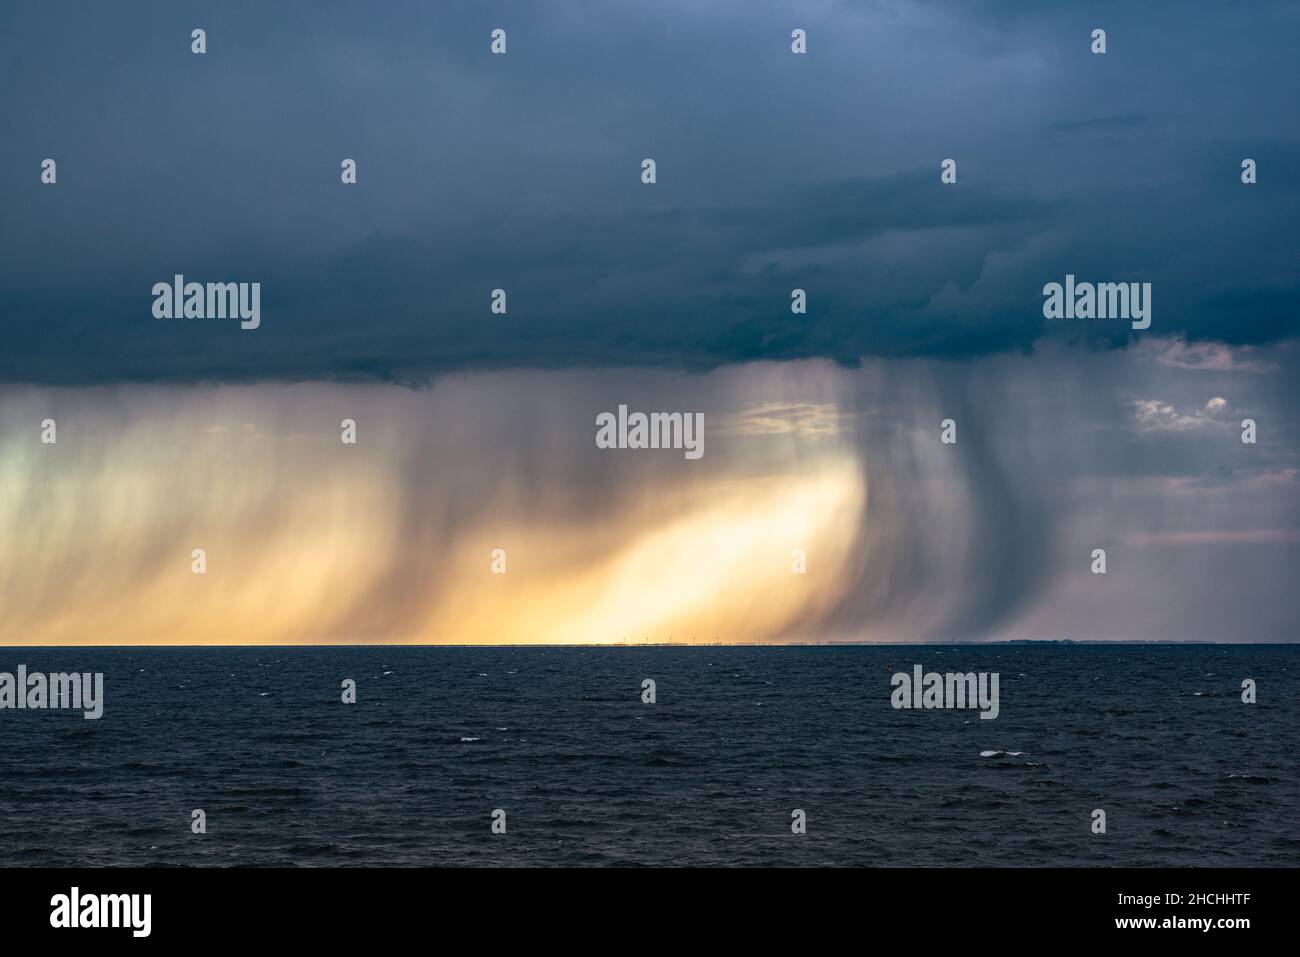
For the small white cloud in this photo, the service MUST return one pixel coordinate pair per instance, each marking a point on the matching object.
(1153, 415)
(807, 419)
(1206, 356)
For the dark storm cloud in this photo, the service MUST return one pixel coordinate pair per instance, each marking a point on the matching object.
(1101, 123)
(522, 172)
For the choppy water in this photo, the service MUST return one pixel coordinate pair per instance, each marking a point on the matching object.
(1157, 736)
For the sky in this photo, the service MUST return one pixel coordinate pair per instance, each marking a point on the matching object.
(774, 171)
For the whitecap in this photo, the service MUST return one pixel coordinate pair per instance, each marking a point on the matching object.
(1001, 754)
(463, 740)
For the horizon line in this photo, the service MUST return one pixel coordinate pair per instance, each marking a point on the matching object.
(676, 644)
